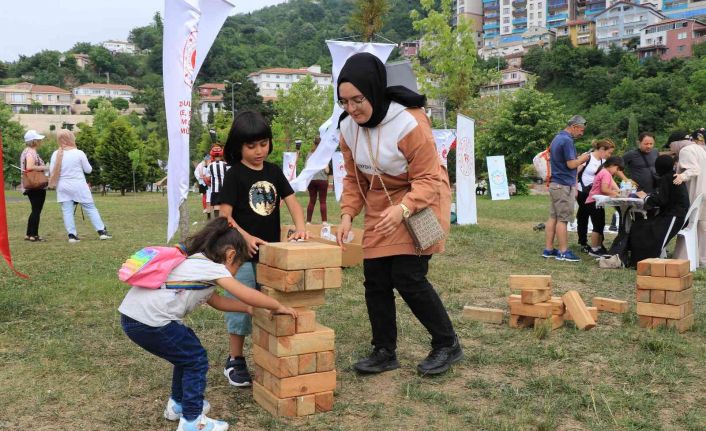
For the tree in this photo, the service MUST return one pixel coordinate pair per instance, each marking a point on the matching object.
(114, 155)
(446, 67)
(367, 19)
(104, 116)
(525, 126)
(87, 141)
(120, 104)
(93, 103)
(633, 131)
(12, 143)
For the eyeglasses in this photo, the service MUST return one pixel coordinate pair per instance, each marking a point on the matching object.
(357, 101)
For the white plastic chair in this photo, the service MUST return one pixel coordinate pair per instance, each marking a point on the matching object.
(689, 233)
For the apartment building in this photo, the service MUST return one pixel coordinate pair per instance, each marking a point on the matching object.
(470, 10)
(512, 79)
(621, 22)
(211, 97)
(671, 39)
(580, 33)
(26, 97)
(119, 46)
(269, 81)
(86, 92)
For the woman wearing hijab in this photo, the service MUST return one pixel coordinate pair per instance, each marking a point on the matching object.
(67, 175)
(388, 147)
(691, 169)
(30, 161)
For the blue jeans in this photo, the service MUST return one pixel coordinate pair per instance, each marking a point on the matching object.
(67, 208)
(177, 344)
(241, 323)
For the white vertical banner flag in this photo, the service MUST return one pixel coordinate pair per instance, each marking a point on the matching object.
(339, 172)
(466, 210)
(190, 27)
(289, 165)
(497, 178)
(444, 139)
(340, 51)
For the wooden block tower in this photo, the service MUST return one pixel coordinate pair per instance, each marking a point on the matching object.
(665, 295)
(294, 359)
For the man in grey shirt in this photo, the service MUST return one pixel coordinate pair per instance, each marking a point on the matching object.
(640, 162)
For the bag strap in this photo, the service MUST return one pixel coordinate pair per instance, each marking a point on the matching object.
(373, 161)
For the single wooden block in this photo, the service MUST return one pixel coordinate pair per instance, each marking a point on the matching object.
(610, 305)
(645, 321)
(665, 283)
(643, 295)
(279, 279)
(275, 324)
(325, 361)
(260, 337)
(480, 314)
(300, 255)
(304, 384)
(644, 267)
(307, 363)
(543, 309)
(306, 405)
(666, 311)
(532, 282)
(258, 374)
(682, 325)
(677, 268)
(285, 366)
(575, 305)
(679, 298)
(517, 321)
(306, 322)
(556, 321)
(657, 296)
(314, 279)
(276, 406)
(593, 311)
(333, 278)
(658, 268)
(557, 305)
(324, 401)
(305, 298)
(320, 340)
(658, 321)
(535, 296)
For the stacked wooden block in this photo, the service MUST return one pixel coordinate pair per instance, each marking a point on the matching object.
(294, 358)
(665, 296)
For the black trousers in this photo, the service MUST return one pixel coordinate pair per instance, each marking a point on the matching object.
(407, 274)
(36, 199)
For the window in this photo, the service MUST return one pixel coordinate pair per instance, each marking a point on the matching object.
(506, 20)
(681, 36)
(18, 97)
(539, 15)
(531, 16)
(506, 2)
(539, 5)
(506, 11)
(506, 29)
(681, 48)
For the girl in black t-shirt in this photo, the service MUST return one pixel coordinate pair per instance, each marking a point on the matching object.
(250, 200)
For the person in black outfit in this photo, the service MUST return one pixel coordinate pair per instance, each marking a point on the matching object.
(640, 163)
(649, 236)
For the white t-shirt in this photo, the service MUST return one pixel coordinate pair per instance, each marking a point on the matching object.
(590, 172)
(159, 307)
(72, 184)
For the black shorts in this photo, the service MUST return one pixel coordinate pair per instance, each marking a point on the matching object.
(203, 189)
(215, 198)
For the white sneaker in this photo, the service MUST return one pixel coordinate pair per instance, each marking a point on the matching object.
(202, 423)
(173, 411)
(73, 238)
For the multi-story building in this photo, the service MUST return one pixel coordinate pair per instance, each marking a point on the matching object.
(538, 36)
(516, 45)
(580, 33)
(559, 12)
(683, 8)
(470, 10)
(512, 79)
(82, 60)
(86, 92)
(119, 46)
(620, 23)
(268, 81)
(36, 99)
(210, 98)
(670, 39)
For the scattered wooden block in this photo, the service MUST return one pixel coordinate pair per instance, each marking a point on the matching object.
(279, 279)
(678, 298)
(302, 385)
(658, 268)
(300, 255)
(681, 325)
(275, 324)
(333, 278)
(324, 401)
(675, 312)
(610, 305)
(535, 296)
(306, 322)
(644, 267)
(480, 314)
(658, 321)
(665, 283)
(325, 361)
(645, 321)
(677, 268)
(276, 406)
(643, 295)
(305, 298)
(575, 305)
(593, 311)
(517, 321)
(657, 296)
(542, 309)
(556, 302)
(320, 340)
(307, 363)
(532, 282)
(306, 405)
(285, 366)
(556, 321)
(314, 279)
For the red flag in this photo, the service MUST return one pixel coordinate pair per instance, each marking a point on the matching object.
(4, 238)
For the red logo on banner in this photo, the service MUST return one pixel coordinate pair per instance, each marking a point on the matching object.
(188, 58)
(465, 158)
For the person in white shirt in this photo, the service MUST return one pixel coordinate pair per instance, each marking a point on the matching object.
(200, 175)
(68, 165)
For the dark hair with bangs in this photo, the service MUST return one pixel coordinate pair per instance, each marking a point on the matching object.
(214, 241)
(248, 126)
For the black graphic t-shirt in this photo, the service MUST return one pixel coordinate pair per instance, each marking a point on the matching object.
(255, 197)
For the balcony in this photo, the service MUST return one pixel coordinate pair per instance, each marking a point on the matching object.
(485, 2)
(558, 5)
(491, 26)
(491, 15)
(674, 6)
(519, 2)
(558, 17)
(490, 6)
(519, 11)
(519, 30)
(519, 21)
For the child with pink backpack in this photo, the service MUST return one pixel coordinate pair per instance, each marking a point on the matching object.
(174, 284)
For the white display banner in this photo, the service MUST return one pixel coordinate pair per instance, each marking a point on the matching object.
(340, 51)
(289, 165)
(339, 172)
(466, 209)
(497, 178)
(190, 27)
(444, 139)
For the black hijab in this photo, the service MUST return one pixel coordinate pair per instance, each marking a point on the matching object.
(368, 74)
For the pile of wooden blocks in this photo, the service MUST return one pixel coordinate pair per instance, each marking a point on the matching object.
(294, 358)
(665, 296)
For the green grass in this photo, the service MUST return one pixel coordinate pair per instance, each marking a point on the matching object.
(67, 365)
